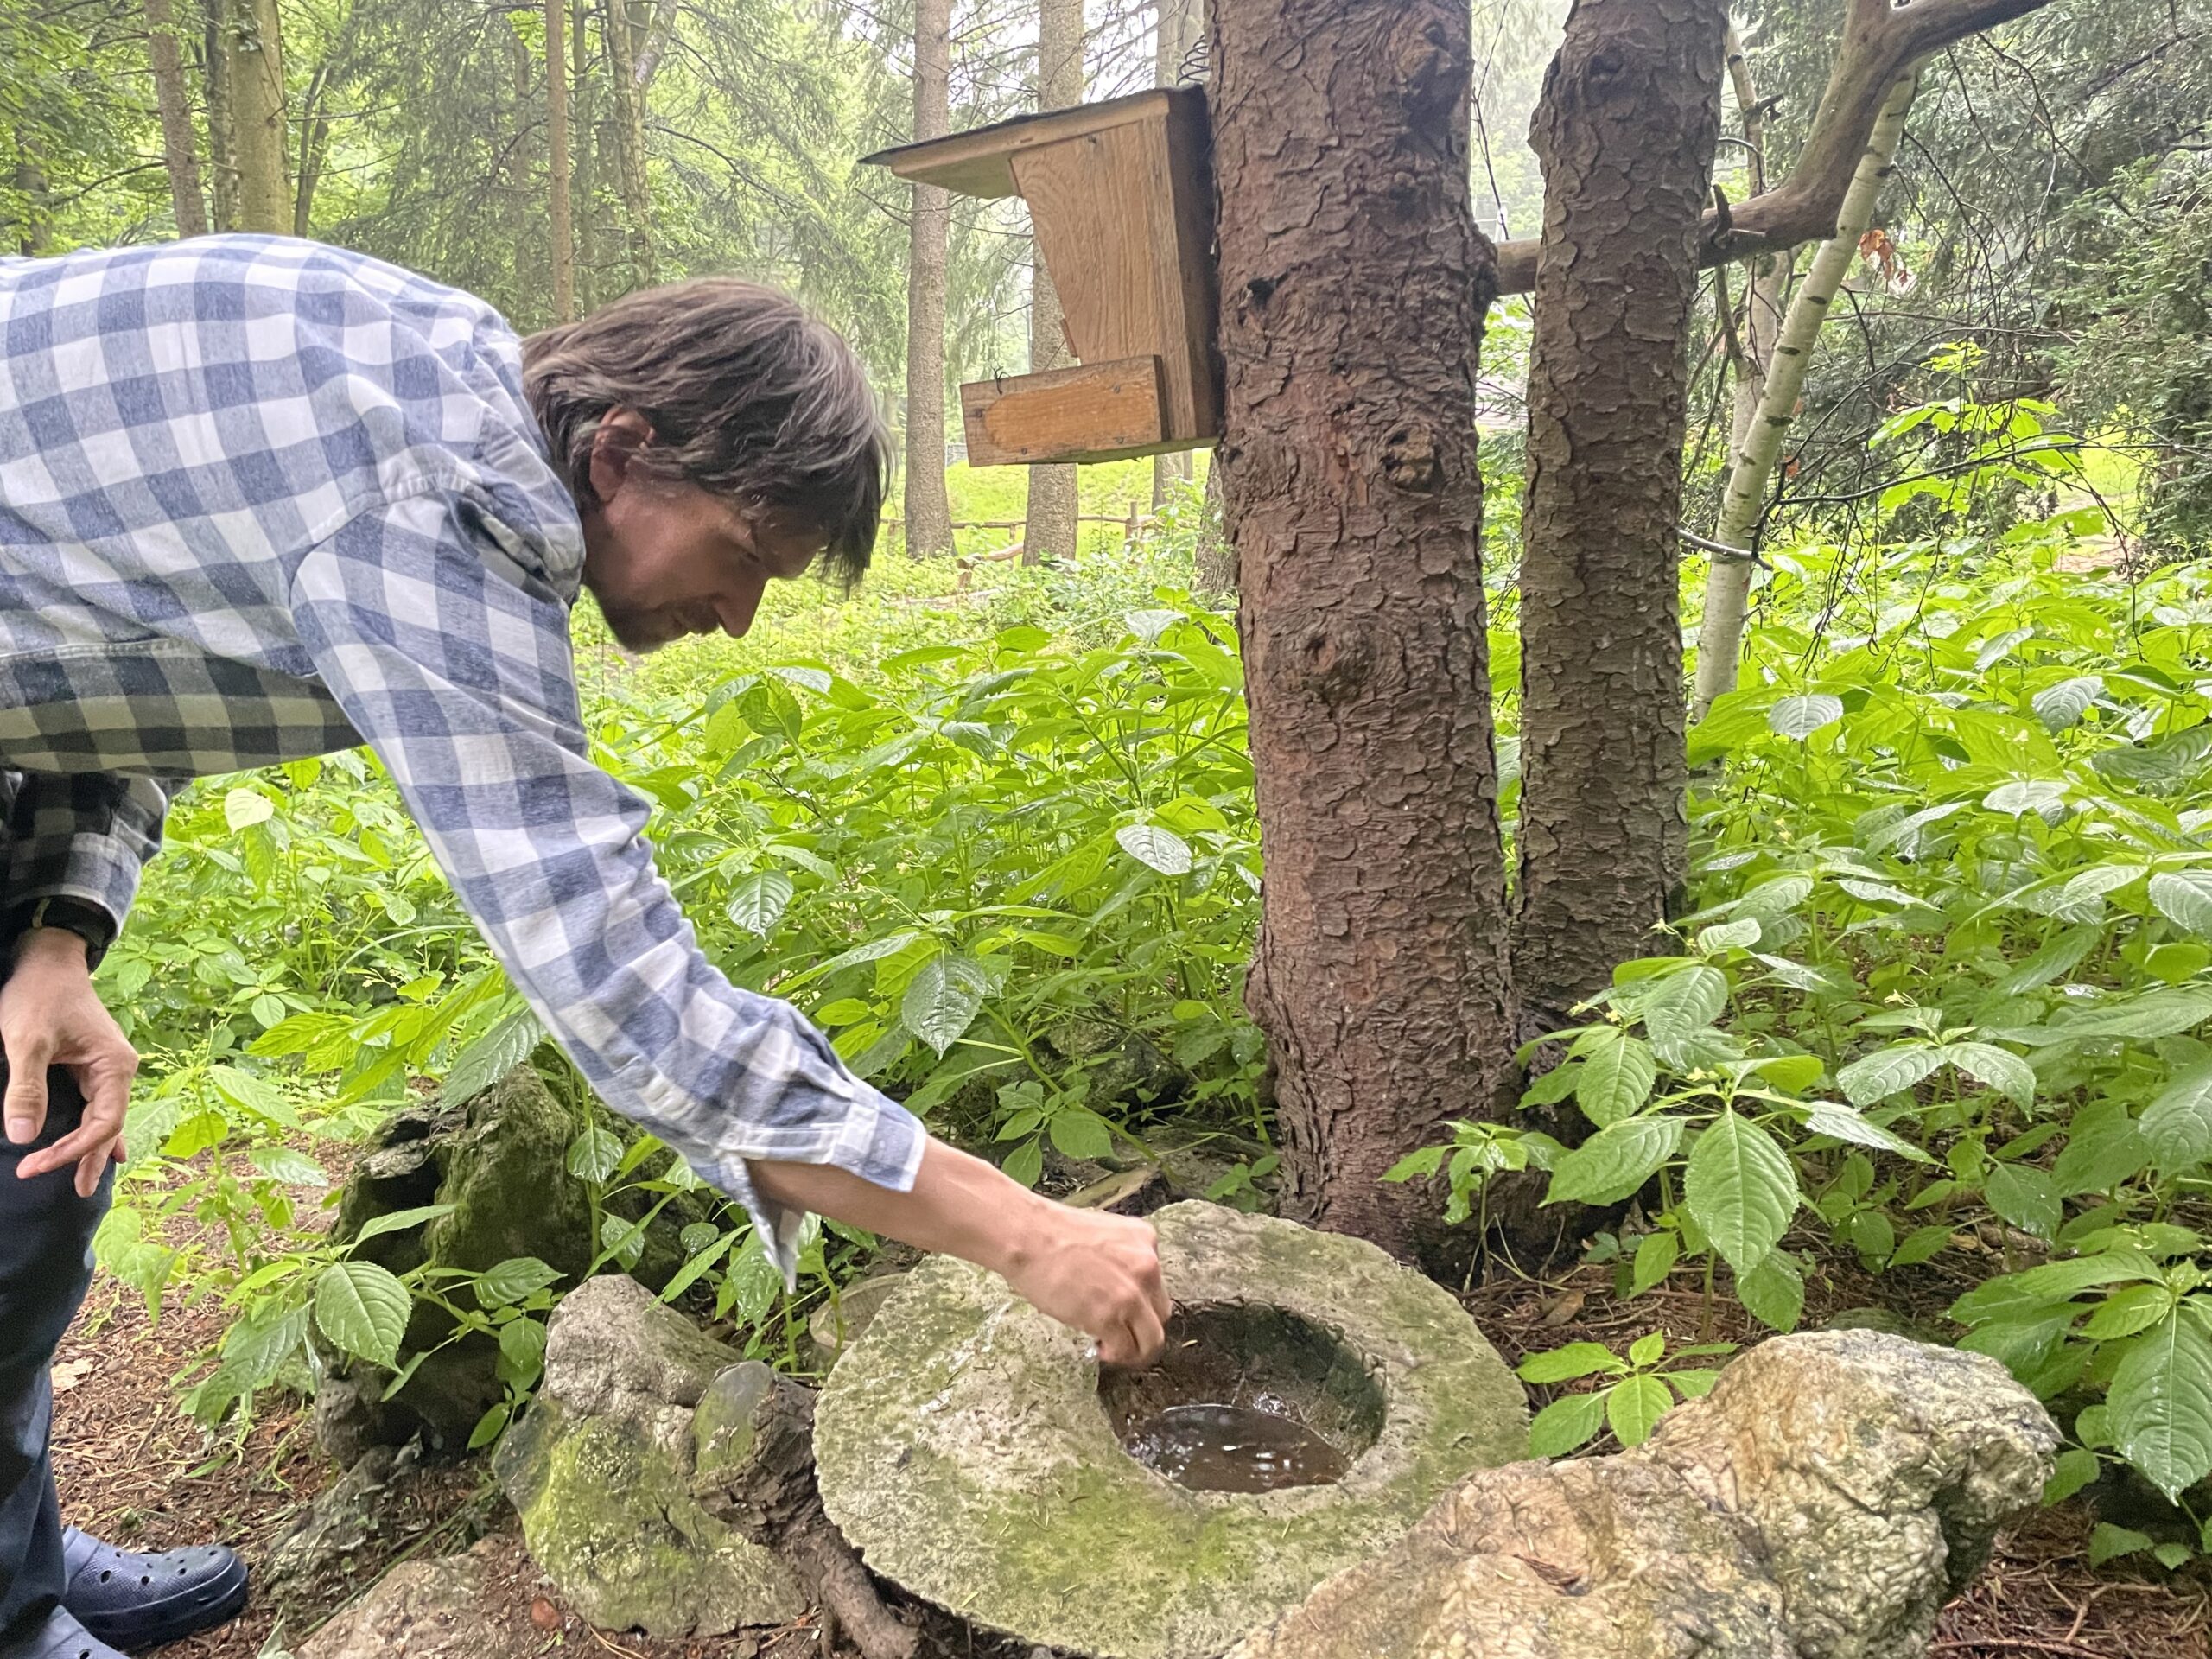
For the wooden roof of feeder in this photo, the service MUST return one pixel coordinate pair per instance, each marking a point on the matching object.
(1120, 198)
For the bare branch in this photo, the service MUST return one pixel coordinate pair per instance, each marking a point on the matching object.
(1880, 41)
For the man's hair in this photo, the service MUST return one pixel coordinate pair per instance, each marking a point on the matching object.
(748, 397)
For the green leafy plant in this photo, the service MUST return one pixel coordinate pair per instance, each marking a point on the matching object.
(1642, 1386)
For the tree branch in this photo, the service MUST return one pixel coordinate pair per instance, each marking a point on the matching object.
(1880, 41)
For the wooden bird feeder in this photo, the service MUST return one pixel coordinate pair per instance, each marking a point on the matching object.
(1121, 197)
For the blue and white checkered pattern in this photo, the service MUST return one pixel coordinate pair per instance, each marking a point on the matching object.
(261, 499)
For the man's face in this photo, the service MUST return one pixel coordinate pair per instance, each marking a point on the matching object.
(666, 559)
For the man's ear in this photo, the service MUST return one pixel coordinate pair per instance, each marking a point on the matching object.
(620, 433)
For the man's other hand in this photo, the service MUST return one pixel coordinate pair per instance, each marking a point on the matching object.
(50, 1015)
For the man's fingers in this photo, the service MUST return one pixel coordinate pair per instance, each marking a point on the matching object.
(24, 1107)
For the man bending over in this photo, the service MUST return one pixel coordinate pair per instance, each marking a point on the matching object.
(261, 500)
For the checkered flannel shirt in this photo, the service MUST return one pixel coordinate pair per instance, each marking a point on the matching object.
(261, 499)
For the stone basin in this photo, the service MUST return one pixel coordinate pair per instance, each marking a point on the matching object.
(965, 1446)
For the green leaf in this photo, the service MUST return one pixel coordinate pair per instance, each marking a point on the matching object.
(1614, 1162)
(1647, 1349)
(703, 1256)
(1615, 1078)
(363, 1309)
(2184, 898)
(2023, 1196)
(1636, 1406)
(243, 808)
(2128, 1311)
(1774, 1292)
(1655, 1256)
(1155, 847)
(2016, 1293)
(1078, 1132)
(522, 1345)
(1830, 1118)
(1738, 935)
(1921, 1245)
(1674, 1004)
(2108, 1544)
(491, 1057)
(595, 1154)
(2161, 1404)
(2178, 1125)
(255, 1094)
(943, 1000)
(2077, 1467)
(398, 1221)
(874, 950)
(2058, 958)
(1025, 1163)
(1888, 1071)
(490, 1426)
(292, 1168)
(2061, 705)
(1801, 717)
(1741, 1189)
(2003, 1071)
(1566, 1424)
(1577, 1359)
(508, 1282)
(757, 902)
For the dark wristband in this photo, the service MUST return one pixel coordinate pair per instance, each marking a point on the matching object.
(87, 921)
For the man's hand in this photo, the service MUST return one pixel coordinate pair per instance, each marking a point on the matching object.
(1095, 1272)
(50, 1015)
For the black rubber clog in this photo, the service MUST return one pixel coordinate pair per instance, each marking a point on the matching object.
(141, 1601)
(59, 1638)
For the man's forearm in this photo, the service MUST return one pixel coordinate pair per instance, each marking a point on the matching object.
(959, 1205)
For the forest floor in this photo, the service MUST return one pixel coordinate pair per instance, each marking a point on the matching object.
(133, 1469)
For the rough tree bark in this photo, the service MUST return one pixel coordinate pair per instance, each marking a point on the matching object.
(1353, 286)
(1625, 131)
(1880, 40)
(1758, 439)
(928, 510)
(556, 153)
(1178, 28)
(1051, 529)
(222, 127)
(178, 151)
(255, 41)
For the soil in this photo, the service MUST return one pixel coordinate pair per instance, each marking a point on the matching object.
(133, 1469)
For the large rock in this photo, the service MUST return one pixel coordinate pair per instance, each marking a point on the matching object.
(425, 1609)
(602, 1467)
(964, 1447)
(500, 1159)
(1826, 1499)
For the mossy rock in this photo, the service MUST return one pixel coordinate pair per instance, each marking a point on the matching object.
(964, 1448)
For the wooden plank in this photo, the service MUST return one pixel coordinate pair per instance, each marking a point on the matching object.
(1095, 411)
(976, 162)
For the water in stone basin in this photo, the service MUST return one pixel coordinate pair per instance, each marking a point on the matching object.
(1217, 1448)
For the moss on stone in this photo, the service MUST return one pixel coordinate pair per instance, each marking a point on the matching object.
(962, 1447)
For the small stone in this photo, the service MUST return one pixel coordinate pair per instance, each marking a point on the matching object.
(544, 1614)
(426, 1610)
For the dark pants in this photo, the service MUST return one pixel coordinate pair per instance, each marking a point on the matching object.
(46, 1263)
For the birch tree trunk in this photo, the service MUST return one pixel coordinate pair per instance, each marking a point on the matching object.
(1051, 528)
(557, 169)
(257, 109)
(178, 150)
(1625, 130)
(222, 125)
(928, 510)
(1353, 286)
(1727, 587)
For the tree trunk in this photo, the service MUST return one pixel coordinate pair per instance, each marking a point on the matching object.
(1625, 133)
(257, 44)
(929, 512)
(35, 234)
(1758, 441)
(314, 144)
(1051, 531)
(178, 150)
(1180, 26)
(1353, 286)
(585, 187)
(222, 126)
(557, 168)
(624, 36)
